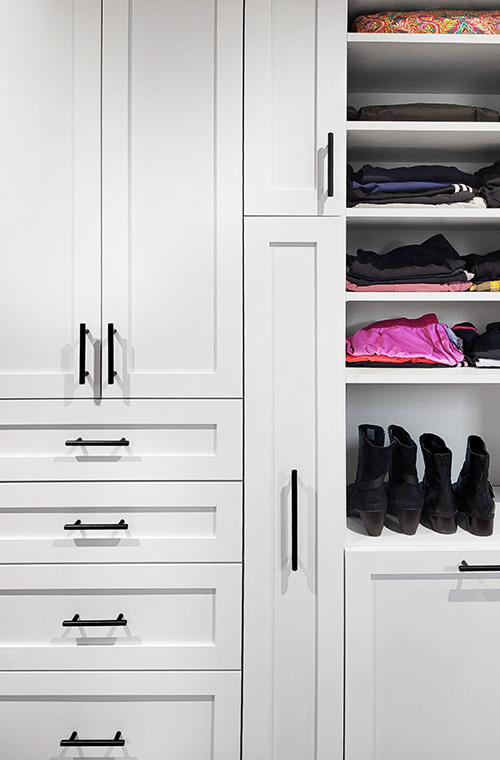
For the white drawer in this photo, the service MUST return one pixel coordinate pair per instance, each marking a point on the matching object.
(167, 522)
(177, 617)
(186, 716)
(117, 440)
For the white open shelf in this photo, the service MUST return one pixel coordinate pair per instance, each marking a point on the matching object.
(422, 375)
(398, 218)
(438, 297)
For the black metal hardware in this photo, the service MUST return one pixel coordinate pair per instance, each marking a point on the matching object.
(78, 525)
(464, 567)
(82, 372)
(111, 354)
(295, 532)
(82, 442)
(77, 622)
(330, 165)
(74, 742)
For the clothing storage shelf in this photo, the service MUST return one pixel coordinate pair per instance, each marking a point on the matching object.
(437, 298)
(391, 218)
(360, 7)
(425, 376)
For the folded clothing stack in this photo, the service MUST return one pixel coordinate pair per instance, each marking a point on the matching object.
(422, 185)
(422, 342)
(433, 265)
(481, 350)
(429, 22)
(422, 112)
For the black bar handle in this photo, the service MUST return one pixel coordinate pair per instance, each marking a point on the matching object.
(77, 622)
(82, 372)
(74, 742)
(464, 567)
(82, 442)
(295, 532)
(78, 525)
(330, 165)
(111, 354)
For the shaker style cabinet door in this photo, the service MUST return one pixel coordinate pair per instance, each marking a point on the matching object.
(294, 469)
(50, 198)
(172, 100)
(295, 107)
(422, 666)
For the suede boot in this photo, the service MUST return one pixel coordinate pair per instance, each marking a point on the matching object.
(473, 489)
(440, 503)
(367, 498)
(404, 493)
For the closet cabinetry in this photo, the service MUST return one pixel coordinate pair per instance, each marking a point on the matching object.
(100, 197)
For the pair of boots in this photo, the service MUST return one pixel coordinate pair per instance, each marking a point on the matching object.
(436, 503)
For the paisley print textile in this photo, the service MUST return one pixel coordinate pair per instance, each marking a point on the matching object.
(429, 22)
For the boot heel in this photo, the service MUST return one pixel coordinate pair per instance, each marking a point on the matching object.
(442, 524)
(480, 526)
(373, 521)
(409, 519)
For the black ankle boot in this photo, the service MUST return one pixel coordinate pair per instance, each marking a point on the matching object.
(404, 494)
(473, 489)
(367, 497)
(440, 503)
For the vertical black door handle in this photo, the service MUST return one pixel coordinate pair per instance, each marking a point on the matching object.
(330, 165)
(295, 532)
(111, 354)
(82, 372)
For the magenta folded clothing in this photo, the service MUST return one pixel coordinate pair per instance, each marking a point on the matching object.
(412, 287)
(424, 337)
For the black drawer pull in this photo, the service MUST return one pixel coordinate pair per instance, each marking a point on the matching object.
(464, 567)
(82, 442)
(74, 742)
(82, 372)
(78, 525)
(76, 622)
(111, 354)
(295, 531)
(329, 191)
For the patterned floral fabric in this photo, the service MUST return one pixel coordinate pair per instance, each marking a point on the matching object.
(430, 22)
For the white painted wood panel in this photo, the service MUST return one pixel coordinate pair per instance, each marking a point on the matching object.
(49, 195)
(421, 671)
(167, 522)
(294, 420)
(167, 440)
(172, 248)
(178, 617)
(191, 716)
(294, 96)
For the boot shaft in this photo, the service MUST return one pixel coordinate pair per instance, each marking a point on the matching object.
(403, 464)
(373, 455)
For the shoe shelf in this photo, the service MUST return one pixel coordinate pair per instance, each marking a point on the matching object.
(422, 376)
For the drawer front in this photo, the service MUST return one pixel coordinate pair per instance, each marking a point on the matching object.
(186, 716)
(120, 617)
(117, 440)
(165, 522)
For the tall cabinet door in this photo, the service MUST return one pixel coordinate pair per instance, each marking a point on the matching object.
(49, 197)
(295, 99)
(172, 240)
(294, 456)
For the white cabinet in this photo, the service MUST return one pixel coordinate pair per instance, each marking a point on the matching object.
(134, 175)
(421, 666)
(292, 692)
(294, 99)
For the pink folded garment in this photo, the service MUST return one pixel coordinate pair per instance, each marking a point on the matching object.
(414, 287)
(424, 337)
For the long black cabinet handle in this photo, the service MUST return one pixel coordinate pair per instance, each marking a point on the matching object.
(83, 442)
(111, 354)
(295, 532)
(464, 567)
(82, 372)
(77, 622)
(78, 525)
(74, 742)
(330, 165)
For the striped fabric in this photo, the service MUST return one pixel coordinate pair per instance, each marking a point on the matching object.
(429, 22)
